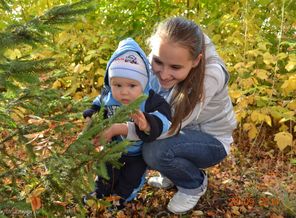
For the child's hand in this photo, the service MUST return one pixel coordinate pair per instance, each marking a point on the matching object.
(115, 130)
(97, 144)
(140, 120)
(96, 140)
(87, 121)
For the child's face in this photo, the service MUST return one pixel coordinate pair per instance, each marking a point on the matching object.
(125, 90)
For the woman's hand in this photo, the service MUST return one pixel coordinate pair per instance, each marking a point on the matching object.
(140, 120)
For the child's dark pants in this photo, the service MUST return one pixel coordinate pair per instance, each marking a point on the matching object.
(123, 180)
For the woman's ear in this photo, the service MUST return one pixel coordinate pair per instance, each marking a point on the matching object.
(196, 60)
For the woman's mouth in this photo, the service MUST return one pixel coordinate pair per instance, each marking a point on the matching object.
(166, 83)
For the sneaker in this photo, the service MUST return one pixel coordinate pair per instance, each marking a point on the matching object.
(182, 203)
(160, 182)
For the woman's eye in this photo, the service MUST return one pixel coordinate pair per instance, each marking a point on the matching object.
(157, 61)
(176, 67)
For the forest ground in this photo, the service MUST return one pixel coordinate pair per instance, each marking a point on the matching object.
(251, 182)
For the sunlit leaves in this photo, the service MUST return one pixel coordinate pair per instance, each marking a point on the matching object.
(35, 199)
(283, 139)
(251, 129)
(289, 86)
(258, 117)
(261, 74)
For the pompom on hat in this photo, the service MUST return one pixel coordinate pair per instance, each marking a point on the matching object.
(129, 65)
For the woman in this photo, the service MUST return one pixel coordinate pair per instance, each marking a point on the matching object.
(193, 79)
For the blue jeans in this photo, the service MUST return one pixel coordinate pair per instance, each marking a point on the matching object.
(181, 157)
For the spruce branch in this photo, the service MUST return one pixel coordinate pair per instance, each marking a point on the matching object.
(36, 30)
(12, 67)
(4, 5)
(81, 152)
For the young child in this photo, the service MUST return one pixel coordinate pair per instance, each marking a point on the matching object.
(127, 78)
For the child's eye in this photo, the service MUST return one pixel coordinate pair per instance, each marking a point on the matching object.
(133, 85)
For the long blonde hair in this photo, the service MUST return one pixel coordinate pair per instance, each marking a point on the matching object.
(190, 91)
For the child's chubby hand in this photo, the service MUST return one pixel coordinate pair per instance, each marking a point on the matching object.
(107, 135)
(140, 120)
(97, 144)
(87, 120)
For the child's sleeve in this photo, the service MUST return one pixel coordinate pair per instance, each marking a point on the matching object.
(96, 106)
(158, 115)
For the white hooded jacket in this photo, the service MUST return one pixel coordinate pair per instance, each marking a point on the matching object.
(214, 115)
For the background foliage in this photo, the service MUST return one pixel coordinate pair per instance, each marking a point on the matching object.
(51, 70)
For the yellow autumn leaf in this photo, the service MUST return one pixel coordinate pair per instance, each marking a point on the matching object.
(248, 82)
(261, 74)
(78, 95)
(268, 58)
(250, 64)
(100, 72)
(291, 63)
(18, 113)
(288, 115)
(267, 120)
(78, 68)
(254, 52)
(240, 115)
(57, 84)
(257, 117)
(13, 53)
(289, 85)
(235, 94)
(245, 101)
(269, 92)
(38, 191)
(281, 56)
(251, 129)
(94, 93)
(292, 105)
(239, 65)
(263, 45)
(283, 139)
(89, 66)
(100, 81)
(284, 128)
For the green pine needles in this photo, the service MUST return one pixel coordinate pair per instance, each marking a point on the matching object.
(43, 164)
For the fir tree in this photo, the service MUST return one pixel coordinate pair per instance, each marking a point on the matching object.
(36, 168)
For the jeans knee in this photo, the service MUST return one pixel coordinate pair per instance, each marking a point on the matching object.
(149, 156)
(157, 159)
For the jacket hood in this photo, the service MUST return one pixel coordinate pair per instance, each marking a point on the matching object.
(124, 46)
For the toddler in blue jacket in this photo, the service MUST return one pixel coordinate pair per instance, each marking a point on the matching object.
(126, 78)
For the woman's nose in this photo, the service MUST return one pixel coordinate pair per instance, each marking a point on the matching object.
(164, 73)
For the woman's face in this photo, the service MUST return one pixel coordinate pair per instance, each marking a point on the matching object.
(171, 62)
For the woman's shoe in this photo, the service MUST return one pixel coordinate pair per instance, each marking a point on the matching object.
(182, 203)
